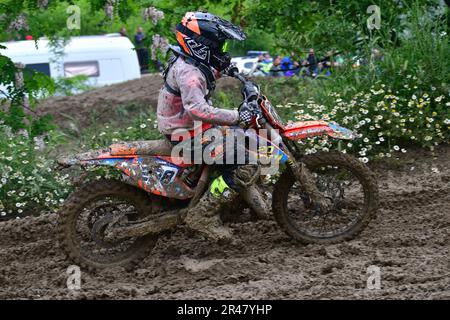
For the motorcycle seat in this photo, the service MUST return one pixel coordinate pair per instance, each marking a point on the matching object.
(146, 147)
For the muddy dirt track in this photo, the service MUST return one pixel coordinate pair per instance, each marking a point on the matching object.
(409, 241)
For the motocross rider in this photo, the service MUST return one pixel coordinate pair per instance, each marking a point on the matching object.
(190, 77)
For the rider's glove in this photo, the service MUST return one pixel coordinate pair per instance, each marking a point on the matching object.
(245, 114)
(231, 70)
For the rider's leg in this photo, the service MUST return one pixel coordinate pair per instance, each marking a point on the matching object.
(204, 216)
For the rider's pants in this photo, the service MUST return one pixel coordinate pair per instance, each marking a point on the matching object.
(227, 149)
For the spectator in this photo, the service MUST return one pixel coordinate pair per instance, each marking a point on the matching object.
(266, 64)
(325, 65)
(139, 37)
(263, 65)
(287, 65)
(123, 32)
(141, 50)
(267, 58)
(338, 61)
(295, 64)
(276, 67)
(257, 69)
(260, 59)
(312, 62)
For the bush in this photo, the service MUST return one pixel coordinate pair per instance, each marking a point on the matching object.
(388, 116)
(142, 127)
(385, 120)
(28, 184)
(394, 100)
(71, 86)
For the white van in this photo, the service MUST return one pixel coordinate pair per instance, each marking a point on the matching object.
(246, 65)
(105, 59)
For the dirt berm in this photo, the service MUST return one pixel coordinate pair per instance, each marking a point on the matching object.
(100, 105)
(409, 242)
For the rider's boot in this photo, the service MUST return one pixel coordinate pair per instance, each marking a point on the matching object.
(204, 216)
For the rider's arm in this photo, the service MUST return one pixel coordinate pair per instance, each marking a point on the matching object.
(193, 88)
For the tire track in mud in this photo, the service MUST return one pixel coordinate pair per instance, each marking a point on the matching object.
(414, 198)
(409, 240)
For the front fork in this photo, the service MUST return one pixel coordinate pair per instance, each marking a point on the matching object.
(306, 180)
(308, 184)
(299, 169)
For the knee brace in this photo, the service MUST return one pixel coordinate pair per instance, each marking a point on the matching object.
(219, 188)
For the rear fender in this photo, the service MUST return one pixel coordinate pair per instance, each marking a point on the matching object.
(307, 129)
(95, 158)
(150, 173)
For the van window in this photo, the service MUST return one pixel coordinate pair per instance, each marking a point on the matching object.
(248, 65)
(39, 67)
(87, 68)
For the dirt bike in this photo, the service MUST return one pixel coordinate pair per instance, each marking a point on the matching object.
(325, 197)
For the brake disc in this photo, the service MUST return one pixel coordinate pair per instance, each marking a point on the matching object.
(102, 224)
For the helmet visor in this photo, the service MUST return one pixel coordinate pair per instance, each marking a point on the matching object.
(231, 31)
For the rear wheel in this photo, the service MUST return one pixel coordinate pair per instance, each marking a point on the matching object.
(348, 185)
(88, 212)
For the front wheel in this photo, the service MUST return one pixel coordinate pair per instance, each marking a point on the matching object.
(347, 184)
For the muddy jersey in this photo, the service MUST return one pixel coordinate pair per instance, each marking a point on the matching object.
(175, 112)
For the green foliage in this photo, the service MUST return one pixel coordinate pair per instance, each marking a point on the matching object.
(393, 101)
(339, 25)
(16, 118)
(142, 127)
(72, 85)
(256, 40)
(423, 52)
(41, 125)
(16, 114)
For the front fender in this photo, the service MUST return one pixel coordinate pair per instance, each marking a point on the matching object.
(306, 129)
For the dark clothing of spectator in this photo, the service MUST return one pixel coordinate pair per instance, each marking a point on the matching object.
(312, 61)
(287, 65)
(142, 51)
(276, 67)
(143, 57)
(139, 39)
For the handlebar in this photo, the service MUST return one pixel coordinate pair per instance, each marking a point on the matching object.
(250, 93)
(241, 78)
(234, 73)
